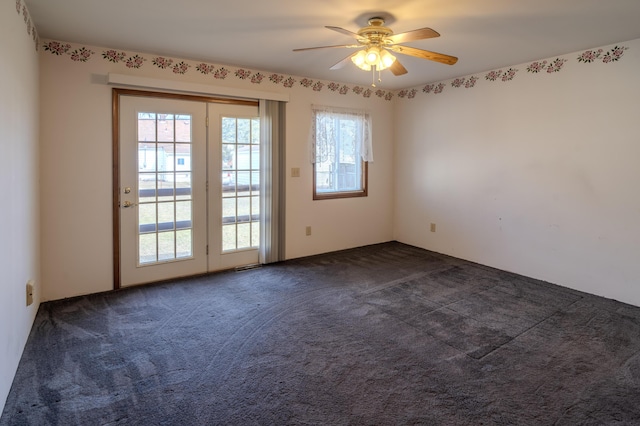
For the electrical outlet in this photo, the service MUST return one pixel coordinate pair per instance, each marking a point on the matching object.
(308, 230)
(29, 292)
(433, 227)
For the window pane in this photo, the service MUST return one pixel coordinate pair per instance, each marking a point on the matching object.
(347, 177)
(244, 209)
(166, 245)
(146, 187)
(323, 178)
(165, 216)
(183, 212)
(244, 130)
(165, 186)
(146, 157)
(228, 210)
(244, 235)
(255, 207)
(255, 157)
(255, 234)
(147, 217)
(255, 131)
(183, 157)
(228, 184)
(228, 237)
(184, 244)
(146, 127)
(243, 181)
(228, 130)
(166, 156)
(183, 128)
(147, 248)
(255, 181)
(165, 128)
(228, 156)
(243, 157)
(183, 186)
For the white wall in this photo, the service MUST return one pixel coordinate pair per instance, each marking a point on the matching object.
(76, 169)
(19, 245)
(340, 223)
(538, 175)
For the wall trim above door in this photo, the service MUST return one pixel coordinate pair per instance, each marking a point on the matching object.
(195, 88)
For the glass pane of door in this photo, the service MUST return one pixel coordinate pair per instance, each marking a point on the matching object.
(164, 187)
(240, 153)
(234, 156)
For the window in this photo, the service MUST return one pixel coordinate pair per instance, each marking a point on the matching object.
(340, 152)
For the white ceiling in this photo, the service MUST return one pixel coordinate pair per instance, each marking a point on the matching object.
(260, 35)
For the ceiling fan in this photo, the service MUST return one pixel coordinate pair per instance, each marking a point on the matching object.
(377, 41)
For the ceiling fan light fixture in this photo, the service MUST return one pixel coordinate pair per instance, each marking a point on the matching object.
(372, 56)
(386, 60)
(359, 60)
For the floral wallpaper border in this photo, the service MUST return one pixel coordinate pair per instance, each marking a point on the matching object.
(21, 8)
(536, 67)
(178, 66)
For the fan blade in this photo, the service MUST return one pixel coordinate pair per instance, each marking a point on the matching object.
(343, 62)
(420, 34)
(343, 31)
(425, 54)
(350, 46)
(397, 68)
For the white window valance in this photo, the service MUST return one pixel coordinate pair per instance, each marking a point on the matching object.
(323, 129)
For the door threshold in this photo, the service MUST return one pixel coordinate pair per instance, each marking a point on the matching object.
(247, 267)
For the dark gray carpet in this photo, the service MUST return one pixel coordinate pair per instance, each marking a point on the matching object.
(385, 334)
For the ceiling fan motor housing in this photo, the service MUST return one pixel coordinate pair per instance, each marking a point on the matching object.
(375, 33)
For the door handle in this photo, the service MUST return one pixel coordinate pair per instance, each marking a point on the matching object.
(127, 204)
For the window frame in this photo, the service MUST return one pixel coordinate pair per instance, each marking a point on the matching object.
(344, 194)
(364, 165)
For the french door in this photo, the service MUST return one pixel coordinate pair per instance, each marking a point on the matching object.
(235, 197)
(188, 188)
